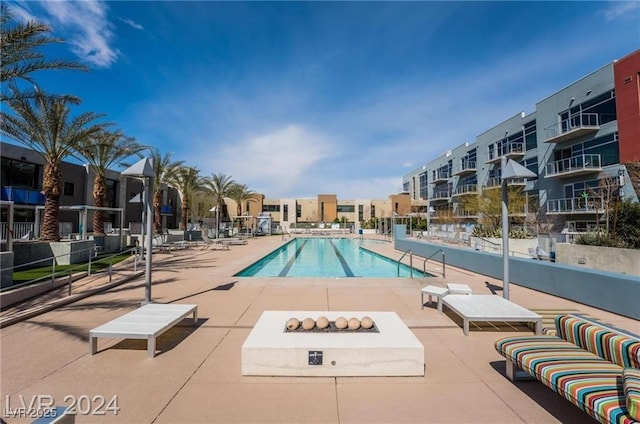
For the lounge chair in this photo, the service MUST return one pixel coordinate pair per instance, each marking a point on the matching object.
(233, 241)
(210, 243)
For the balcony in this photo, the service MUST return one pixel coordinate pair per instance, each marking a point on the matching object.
(22, 196)
(513, 150)
(466, 189)
(441, 176)
(569, 129)
(462, 213)
(575, 165)
(166, 210)
(576, 205)
(496, 182)
(466, 168)
(440, 195)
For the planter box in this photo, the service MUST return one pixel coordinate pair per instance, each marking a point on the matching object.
(610, 259)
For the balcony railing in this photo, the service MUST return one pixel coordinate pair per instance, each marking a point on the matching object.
(575, 165)
(22, 196)
(496, 182)
(466, 168)
(576, 205)
(510, 150)
(462, 213)
(575, 126)
(466, 189)
(441, 176)
(441, 195)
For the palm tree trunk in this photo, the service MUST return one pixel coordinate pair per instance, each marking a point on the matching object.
(157, 216)
(99, 193)
(51, 188)
(185, 211)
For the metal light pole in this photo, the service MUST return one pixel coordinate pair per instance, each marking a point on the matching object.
(509, 170)
(144, 170)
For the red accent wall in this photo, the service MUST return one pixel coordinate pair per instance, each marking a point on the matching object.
(626, 73)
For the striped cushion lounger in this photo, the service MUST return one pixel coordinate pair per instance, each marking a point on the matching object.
(631, 385)
(584, 364)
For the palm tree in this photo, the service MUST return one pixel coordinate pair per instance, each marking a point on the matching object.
(165, 173)
(19, 45)
(240, 194)
(220, 186)
(47, 128)
(102, 151)
(188, 182)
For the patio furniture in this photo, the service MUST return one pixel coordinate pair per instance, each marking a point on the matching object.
(147, 322)
(593, 365)
(438, 292)
(212, 244)
(487, 308)
(458, 288)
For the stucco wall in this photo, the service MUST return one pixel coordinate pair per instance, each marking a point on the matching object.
(626, 261)
(6, 261)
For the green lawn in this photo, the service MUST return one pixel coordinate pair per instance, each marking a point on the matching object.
(41, 273)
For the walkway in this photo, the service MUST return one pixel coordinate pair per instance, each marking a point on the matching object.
(195, 378)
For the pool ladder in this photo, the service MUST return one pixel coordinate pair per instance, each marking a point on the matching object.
(424, 263)
(410, 263)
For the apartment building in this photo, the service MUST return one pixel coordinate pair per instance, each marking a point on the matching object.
(576, 141)
(21, 183)
(327, 208)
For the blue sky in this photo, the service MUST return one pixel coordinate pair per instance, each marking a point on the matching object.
(300, 98)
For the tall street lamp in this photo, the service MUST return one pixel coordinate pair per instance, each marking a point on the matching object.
(509, 170)
(430, 210)
(215, 209)
(143, 170)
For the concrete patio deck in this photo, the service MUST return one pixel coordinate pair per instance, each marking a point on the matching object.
(195, 377)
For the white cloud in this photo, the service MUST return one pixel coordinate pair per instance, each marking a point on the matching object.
(21, 14)
(89, 29)
(131, 23)
(622, 9)
(274, 163)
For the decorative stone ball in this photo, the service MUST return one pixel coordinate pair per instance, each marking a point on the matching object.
(322, 322)
(308, 324)
(366, 323)
(293, 324)
(354, 323)
(341, 323)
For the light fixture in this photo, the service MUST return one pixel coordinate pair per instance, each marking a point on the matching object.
(143, 169)
(509, 170)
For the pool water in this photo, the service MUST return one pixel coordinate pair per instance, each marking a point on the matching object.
(326, 257)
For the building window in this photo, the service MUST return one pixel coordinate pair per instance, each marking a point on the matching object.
(360, 212)
(19, 174)
(530, 135)
(68, 189)
(285, 212)
(424, 185)
(346, 208)
(270, 208)
(373, 211)
(298, 211)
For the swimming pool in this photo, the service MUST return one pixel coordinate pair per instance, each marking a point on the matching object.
(326, 257)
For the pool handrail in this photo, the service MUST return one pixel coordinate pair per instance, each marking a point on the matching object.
(424, 263)
(410, 263)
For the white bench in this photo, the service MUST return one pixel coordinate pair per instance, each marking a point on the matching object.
(455, 288)
(487, 308)
(438, 292)
(146, 322)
